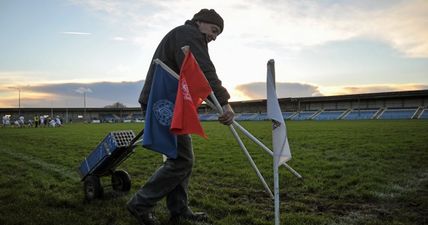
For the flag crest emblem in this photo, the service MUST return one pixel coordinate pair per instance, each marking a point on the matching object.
(157, 136)
(163, 110)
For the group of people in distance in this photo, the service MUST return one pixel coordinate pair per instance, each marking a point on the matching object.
(37, 121)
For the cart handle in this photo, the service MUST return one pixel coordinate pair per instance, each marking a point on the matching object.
(135, 139)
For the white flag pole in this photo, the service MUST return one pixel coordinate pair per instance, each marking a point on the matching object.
(271, 68)
(232, 129)
(244, 149)
(276, 192)
(255, 140)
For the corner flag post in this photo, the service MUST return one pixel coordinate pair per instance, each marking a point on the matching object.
(244, 149)
(216, 106)
(185, 49)
(255, 140)
(271, 68)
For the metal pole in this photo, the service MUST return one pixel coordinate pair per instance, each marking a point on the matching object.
(276, 193)
(84, 105)
(19, 101)
(19, 98)
(254, 139)
(271, 69)
(244, 149)
(232, 129)
(52, 110)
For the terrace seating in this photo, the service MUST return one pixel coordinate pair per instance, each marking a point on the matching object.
(287, 115)
(424, 114)
(356, 114)
(261, 116)
(328, 115)
(245, 116)
(107, 117)
(137, 116)
(304, 115)
(208, 117)
(398, 114)
(125, 116)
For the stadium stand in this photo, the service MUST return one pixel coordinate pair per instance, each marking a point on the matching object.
(125, 116)
(107, 117)
(329, 115)
(137, 116)
(392, 114)
(305, 115)
(287, 115)
(261, 116)
(208, 117)
(245, 116)
(424, 114)
(356, 114)
(384, 105)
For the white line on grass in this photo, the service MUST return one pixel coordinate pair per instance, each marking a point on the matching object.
(60, 170)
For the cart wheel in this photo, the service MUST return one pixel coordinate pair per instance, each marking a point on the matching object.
(92, 188)
(121, 181)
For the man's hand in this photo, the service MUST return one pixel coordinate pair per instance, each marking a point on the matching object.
(227, 117)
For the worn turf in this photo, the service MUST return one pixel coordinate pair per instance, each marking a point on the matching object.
(355, 172)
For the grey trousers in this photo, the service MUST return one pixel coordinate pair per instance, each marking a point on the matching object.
(171, 180)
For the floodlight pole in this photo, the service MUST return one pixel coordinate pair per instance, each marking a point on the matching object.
(84, 104)
(19, 98)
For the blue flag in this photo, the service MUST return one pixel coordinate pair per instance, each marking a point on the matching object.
(157, 135)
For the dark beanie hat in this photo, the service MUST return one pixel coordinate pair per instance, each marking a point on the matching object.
(209, 16)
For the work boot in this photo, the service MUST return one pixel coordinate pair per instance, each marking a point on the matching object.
(190, 216)
(145, 217)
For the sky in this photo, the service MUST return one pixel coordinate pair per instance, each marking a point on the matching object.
(61, 53)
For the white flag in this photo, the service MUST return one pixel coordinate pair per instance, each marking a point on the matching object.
(281, 149)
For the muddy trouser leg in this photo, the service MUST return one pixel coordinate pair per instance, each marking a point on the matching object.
(170, 180)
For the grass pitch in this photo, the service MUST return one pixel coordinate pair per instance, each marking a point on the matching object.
(355, 172)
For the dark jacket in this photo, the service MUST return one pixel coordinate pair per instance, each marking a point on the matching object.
(169, 51)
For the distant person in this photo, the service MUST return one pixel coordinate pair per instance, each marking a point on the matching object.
(52, 123)
(171, 180)
(8, 121)
(42, 121)
(46, 121)
(21, 121)
(30, 123)
(58, 121)
(36, 121)
(5, 121)
(16, 123)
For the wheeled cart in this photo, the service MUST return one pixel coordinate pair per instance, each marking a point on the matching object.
(103, 161)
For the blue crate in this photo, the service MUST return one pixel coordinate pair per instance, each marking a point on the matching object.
(107, 154)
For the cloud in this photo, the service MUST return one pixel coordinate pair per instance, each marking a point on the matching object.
(346, 90)
(118, 38)
(98, 94)
(295, 25)
(404, 26)
(82, 90)
(283, 25)
(257, 90)
(75, 33)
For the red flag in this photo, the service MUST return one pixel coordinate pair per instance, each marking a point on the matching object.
(193, 88)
